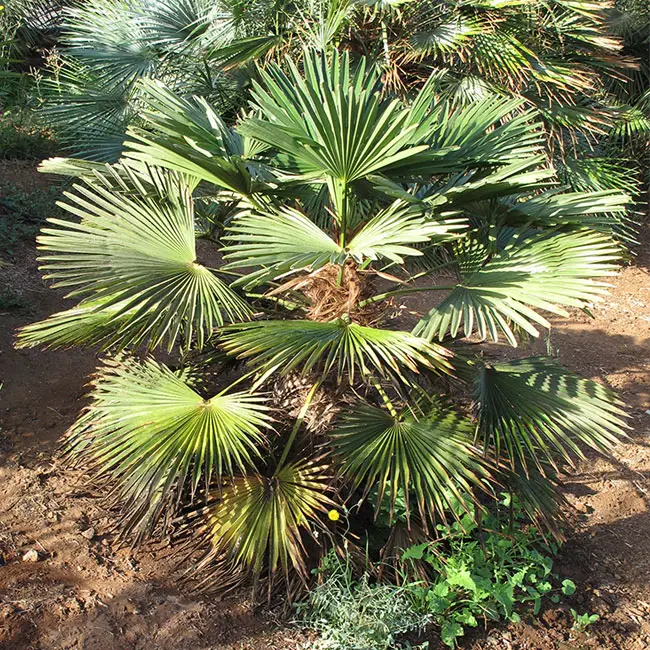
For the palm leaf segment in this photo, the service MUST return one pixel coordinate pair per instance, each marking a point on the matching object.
(260, 520)
(534, 410)
(283, 346)
(154, 437)
(431, 456)
(133, 257)
(499, 291)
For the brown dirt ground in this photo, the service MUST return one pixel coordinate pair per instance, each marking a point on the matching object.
(87, 594)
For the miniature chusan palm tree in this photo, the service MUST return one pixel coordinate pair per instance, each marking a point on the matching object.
(270, 260)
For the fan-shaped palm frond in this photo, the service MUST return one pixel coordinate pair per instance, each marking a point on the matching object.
(93, 94)
(485, 132)
(287, 240)
(283, 346)
(331, 124)
(396, 231)
(261, 520)
(431, 456)
(535, 411)
(542, 272)
(153, 437)
(598, 174)
(91, 323)
(278, 242)
(138, 252)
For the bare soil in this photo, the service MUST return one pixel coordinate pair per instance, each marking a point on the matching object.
(83, 592)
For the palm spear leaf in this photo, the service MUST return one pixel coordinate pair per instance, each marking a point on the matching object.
(260, 520)
(139, 252)
(283, 346)
(542, 272)
(431, 457)
(534, 410)
(153, 437)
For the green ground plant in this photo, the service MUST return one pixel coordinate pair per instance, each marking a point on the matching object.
(497, 569)
(582, 621)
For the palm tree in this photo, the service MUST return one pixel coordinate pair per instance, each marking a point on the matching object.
(296, 386)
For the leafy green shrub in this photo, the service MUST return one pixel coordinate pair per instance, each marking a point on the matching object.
(483, 570)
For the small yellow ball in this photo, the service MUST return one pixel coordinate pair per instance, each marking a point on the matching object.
(334, 515)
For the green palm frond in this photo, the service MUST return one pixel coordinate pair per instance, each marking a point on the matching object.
(188, 136)
(154, 438)
(493, 130)
(278, 242)
(535, 411)
(395, 232)
(598, 174)
(109, 35)
(509, 288)
(89, 116)
(331, 123)
(284, 346)
(92, 94)
(261, 520)
(445, 37)
(631, 122)
(243, 50)
(431, 456)
(559, 207)
(91, 323)
(287, 240)
(138, 251)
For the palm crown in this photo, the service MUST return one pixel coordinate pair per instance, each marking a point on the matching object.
(325, 203)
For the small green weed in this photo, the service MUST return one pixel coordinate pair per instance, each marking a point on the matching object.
(582, 621)
(469, 575)
(482, 573)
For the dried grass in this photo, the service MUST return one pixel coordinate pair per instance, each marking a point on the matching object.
(334, 291)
